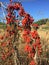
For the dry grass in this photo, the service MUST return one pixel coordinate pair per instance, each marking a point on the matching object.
(44, 35)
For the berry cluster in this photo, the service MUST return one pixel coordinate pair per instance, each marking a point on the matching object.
(31, 38)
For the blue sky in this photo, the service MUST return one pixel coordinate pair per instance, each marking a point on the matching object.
(37, 8)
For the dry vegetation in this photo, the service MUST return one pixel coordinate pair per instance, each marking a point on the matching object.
(44, 59)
